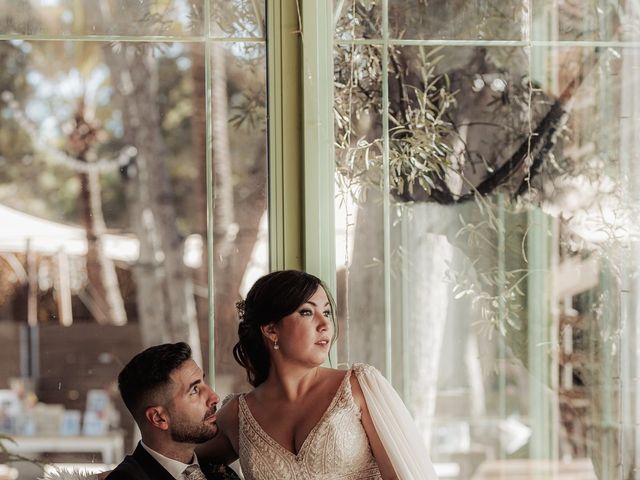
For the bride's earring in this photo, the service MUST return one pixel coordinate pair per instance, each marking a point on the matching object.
(275, 345)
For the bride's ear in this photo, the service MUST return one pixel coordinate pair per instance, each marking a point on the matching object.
(269, 332)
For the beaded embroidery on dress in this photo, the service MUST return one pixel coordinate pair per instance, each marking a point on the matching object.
(337, 448)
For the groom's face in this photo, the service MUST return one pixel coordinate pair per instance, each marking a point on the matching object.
(192, 408)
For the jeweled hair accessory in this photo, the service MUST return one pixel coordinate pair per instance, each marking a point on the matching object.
(240, 307)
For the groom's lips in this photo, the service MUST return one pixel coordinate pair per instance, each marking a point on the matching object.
(211, 415)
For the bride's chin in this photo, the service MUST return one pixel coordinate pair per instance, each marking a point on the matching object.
(313, 361)
(321, 360)
(316, 362)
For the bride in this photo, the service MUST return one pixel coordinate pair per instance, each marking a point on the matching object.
(302, 420)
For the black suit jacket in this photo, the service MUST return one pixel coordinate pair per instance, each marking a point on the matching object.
(142, 466)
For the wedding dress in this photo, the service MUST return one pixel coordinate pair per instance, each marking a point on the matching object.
(337, 448)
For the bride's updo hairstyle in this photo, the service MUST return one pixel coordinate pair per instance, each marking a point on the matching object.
(269, 300)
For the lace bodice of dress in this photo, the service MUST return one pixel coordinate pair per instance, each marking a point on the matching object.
(337, 448)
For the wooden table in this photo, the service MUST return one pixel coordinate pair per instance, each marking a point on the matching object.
(580, 469)
(110, 446)
(8, 473)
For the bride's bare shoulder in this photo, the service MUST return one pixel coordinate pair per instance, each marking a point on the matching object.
(228, 412)
(223, 448)
(334, 373)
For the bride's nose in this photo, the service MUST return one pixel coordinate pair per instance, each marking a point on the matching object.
(323, 322)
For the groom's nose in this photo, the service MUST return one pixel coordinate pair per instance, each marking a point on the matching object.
(213, 397)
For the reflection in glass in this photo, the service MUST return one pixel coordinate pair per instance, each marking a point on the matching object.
(238, 86)
(358, 128)
(100, 132)
(239, 18)
(103, 147)
(585, 20)
(459, 19)
(108, 17)
(511, 245)
(357, 19)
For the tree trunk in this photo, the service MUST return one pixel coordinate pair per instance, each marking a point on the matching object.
(96, 289)
(419, 301)
(165, 289)
(101, 271)
(199, 138)
(230, 273)
(364, 306)
(425, 310)
(233, 240)
(225, 226)
(104, 290)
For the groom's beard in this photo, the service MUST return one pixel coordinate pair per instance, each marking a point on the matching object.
(187, 431)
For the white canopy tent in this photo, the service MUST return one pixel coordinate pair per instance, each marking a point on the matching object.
(24, 233)
(19, 229)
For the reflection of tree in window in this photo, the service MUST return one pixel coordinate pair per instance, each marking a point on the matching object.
(492, 132)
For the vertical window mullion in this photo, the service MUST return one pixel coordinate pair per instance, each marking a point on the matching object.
(319, 169)
(285, 133)
(210, 192)
(386, 206)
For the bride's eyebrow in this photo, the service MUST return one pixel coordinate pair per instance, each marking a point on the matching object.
(314, 304)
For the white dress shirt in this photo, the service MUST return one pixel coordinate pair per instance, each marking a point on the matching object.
(174, 467)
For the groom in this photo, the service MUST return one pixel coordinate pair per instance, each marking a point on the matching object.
(165, 391)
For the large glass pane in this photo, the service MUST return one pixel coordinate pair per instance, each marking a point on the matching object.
(101, 202)
(104, 209)
(585, 20)
(357, 19)
(107, 17)
(238, 18)
(511, 250)
(358, 126)
(458, 19)
(240, 194)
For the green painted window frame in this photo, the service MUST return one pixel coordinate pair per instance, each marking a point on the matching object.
(284, 134)
(301, 157)
(301, 152)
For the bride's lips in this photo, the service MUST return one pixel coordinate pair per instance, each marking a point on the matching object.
(324, 342)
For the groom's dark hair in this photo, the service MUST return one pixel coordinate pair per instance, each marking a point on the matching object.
(144, 380)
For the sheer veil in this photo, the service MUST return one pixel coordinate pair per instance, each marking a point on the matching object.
(395, 427)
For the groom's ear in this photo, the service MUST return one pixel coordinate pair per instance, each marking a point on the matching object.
(158, 417)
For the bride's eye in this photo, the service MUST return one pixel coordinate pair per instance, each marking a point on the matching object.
(305, 312)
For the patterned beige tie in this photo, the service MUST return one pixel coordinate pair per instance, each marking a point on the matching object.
(193, 472)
